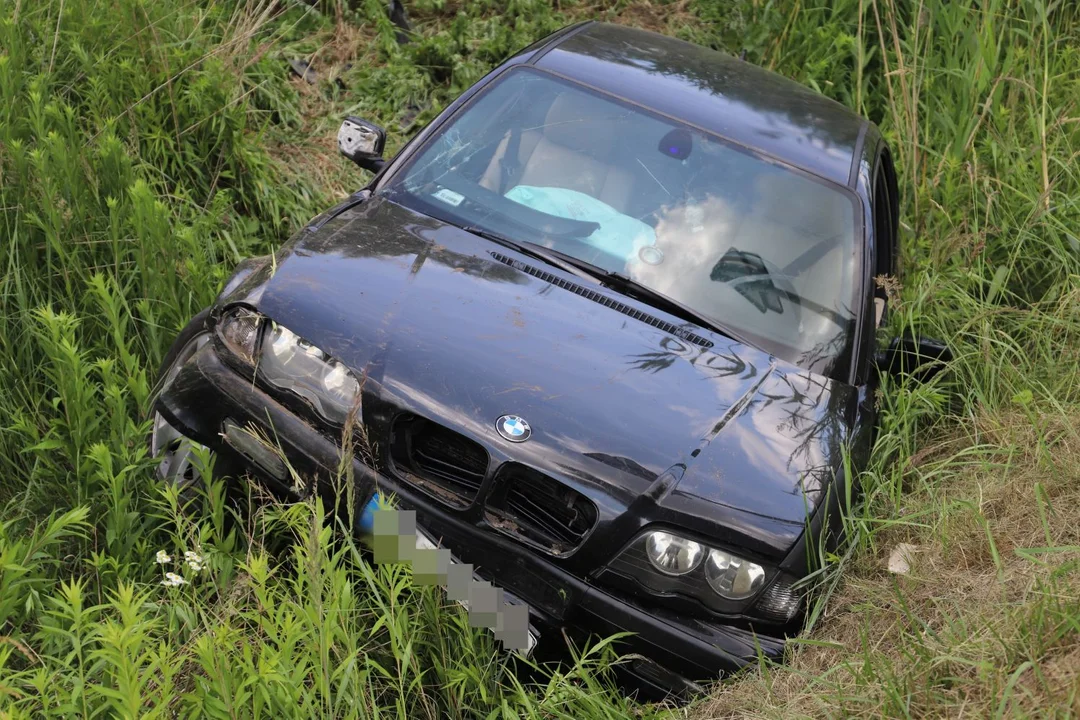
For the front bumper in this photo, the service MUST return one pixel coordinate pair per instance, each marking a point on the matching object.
(207, 392)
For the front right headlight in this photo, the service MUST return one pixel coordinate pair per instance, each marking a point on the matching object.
(290, 362)
(287, 361)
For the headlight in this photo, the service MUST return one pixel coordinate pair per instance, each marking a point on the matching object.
(663, 563)
(671, 554)
(290, 362)
(733, 577)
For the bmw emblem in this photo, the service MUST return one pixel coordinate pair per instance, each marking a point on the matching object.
(513, 428)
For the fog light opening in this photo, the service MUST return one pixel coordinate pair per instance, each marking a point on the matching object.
(258, 453)
(663, 678)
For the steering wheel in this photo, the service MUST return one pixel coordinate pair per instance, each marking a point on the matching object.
(763, 291)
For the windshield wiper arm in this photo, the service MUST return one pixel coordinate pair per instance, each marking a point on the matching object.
(608, 278)
(629, 286)
(532, 250)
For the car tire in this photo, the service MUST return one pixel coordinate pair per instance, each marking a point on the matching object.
(174, 451)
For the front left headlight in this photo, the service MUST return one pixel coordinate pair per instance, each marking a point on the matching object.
(731, 576)
(671, 554)
(664, 563)
(287, 361)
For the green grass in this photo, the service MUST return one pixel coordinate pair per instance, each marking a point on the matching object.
(146, 147)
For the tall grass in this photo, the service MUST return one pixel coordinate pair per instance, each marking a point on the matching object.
(146, 147)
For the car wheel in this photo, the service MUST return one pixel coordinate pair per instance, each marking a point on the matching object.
(173, 451)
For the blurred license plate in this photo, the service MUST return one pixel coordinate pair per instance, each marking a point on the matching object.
(425, 542)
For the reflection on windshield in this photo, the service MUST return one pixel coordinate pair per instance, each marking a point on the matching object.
(764, 250)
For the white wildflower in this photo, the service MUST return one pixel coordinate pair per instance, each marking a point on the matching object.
(162, 557)
(173, 580)
(194, 560)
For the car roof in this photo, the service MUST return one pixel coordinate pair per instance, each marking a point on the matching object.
(712, 91)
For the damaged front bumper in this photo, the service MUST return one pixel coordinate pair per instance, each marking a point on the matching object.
(208, 396)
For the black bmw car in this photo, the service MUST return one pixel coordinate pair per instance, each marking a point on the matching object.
(607, 324)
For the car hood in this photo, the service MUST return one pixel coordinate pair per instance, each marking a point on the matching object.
(726, 439)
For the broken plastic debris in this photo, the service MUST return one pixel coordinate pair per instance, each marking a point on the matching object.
(901, 558)
(303, 69)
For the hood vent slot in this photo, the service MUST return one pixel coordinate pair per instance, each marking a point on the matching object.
(597, 297)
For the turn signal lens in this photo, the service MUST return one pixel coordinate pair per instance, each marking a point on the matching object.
(240, 331)
(781, 601)
(671, 554)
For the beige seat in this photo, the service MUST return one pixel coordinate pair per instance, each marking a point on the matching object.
(573, 149)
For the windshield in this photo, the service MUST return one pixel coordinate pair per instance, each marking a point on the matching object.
(764, 250)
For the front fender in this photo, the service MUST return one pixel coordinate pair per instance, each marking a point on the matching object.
(243, 270)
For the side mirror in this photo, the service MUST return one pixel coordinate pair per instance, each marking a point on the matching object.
(922, 358)
(362, 142)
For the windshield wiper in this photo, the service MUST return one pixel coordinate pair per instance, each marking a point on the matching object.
(608, 278)
(631, 287)
(628, 286)
(532, 250)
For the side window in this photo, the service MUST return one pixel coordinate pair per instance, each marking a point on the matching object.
(886, 222)
(886, 216)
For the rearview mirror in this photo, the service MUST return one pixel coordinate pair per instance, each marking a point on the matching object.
(362, 142)
(922, 358)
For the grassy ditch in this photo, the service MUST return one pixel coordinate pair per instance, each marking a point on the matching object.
(146, 147)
